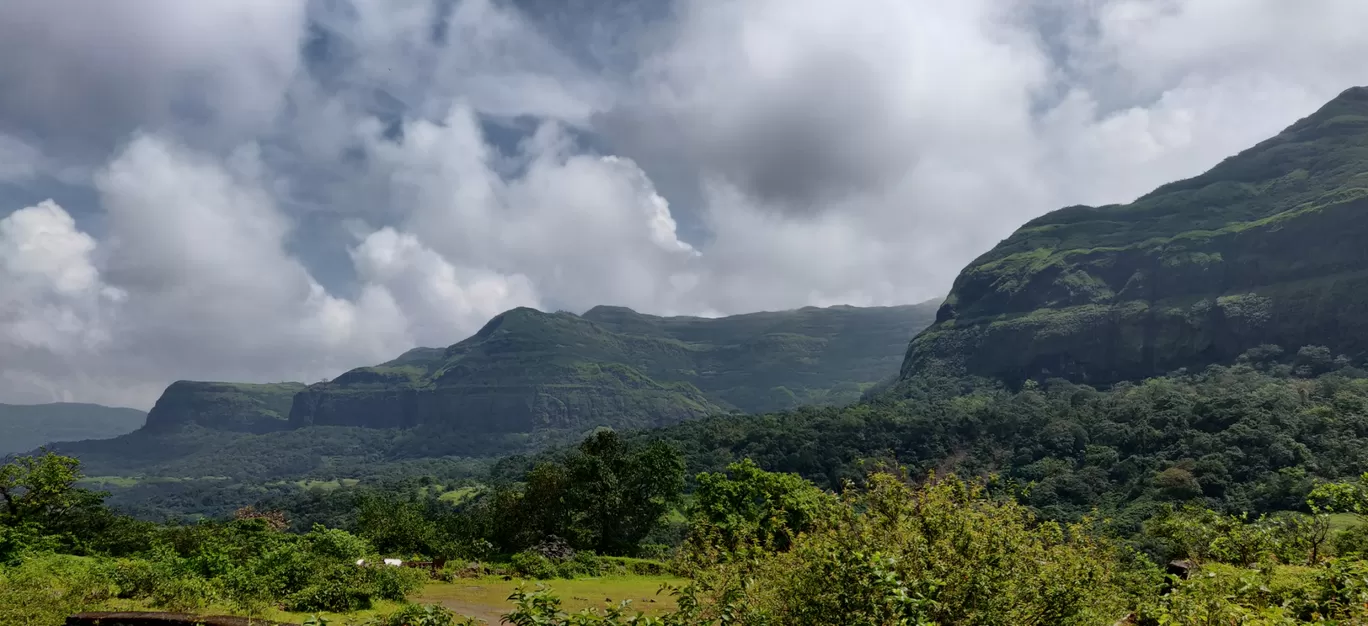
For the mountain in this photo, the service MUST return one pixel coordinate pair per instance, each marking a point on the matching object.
(527, 370)
(1265, 248)
(525, 381)
(25, 427)
(238, 407)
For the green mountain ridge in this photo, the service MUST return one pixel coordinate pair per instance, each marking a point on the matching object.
(528, 371)
(526, 381)
(24, 427)
(1264, 248)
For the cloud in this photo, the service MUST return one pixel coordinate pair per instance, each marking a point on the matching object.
(54, 298)
(584, 229)
(80, 76)
(286, 189)
(438, 299)
(196, 247)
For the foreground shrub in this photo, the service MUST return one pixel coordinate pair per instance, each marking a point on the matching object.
(348, 587)
(943, 553)
(425, 615)
(46, 588)
(1267, 595)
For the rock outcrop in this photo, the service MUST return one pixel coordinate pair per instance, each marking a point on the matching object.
(240, 407)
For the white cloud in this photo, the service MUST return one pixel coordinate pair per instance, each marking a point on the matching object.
(440, 301)
(53, 298)
(701, 157)
(584, 229)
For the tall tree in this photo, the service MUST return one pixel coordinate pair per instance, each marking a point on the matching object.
(616, 495)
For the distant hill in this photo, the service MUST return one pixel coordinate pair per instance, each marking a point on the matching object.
(1265, 248)
(527, 370)
(526, 380)
(24, 427)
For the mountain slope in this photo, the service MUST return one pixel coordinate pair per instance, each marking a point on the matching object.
(1265, 248)
(527, 370)
(25, 427)
(525, 381)
(238, 407)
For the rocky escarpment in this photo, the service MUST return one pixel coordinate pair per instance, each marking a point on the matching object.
(237, 407)
(1268, 247)
(527, 370)
(524, 371)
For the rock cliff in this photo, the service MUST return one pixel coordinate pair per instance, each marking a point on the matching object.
(237, 407)
(1268, 247)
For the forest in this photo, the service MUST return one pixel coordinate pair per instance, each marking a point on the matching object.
(1233, 495)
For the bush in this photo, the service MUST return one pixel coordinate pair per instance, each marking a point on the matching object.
(944, 553)
(1352, 541)
(533, 565)
(46, 588)
(395, 583)
(348, 587)
(425, 615)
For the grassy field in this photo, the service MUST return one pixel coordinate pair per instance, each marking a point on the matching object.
(1342, 521)
(459, 494)
(100, 482)
(486, 598)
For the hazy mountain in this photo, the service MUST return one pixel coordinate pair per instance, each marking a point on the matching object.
(24, 427)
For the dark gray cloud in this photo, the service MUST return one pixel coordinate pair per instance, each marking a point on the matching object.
(279, 189)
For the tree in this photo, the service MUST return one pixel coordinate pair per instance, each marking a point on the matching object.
(41, 490)
(750, 504)
(616, 496)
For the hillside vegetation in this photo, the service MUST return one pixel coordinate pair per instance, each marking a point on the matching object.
(1265, 248)
(239, 407)
(752, 548)
(527, 371)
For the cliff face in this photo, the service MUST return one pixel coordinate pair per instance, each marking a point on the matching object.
(237, 407)
(527, 370)
(1268, 247)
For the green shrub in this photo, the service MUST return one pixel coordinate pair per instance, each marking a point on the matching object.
(339, 589)
(533, 565)
(1352, 541)
(425, 615)
(46, 588)
(944, 553)
(395, 583)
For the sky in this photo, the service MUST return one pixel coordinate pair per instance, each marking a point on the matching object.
(268, 190)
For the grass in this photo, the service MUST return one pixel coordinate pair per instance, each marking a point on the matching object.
(487, 598)
(382, 607)
(327, 485)
(1342, 521)
(481, 598)
(459, 495)
(98, 482)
